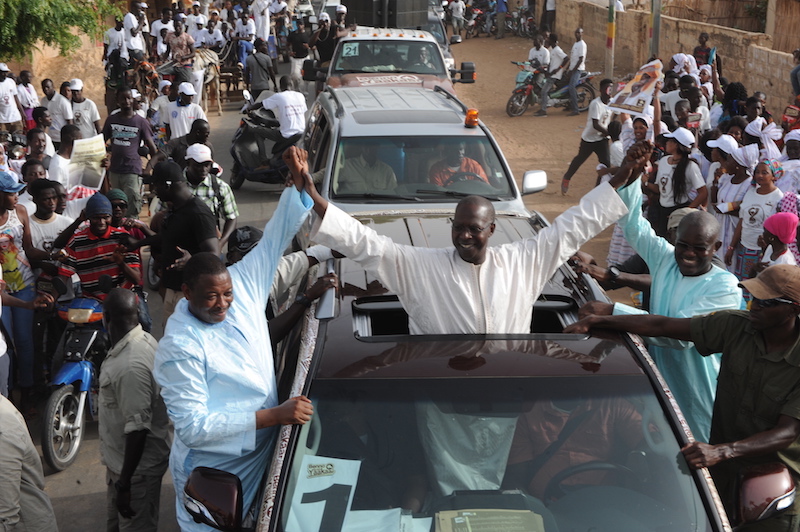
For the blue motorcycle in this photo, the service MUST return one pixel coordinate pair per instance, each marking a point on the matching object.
(82, 348)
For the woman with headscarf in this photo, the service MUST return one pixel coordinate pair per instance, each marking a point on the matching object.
(727, 186)
(780, 230)
(758, 131)
(757, 205)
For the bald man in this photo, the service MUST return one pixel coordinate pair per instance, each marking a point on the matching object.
(685, 283)
(134, 427)
(468, 288)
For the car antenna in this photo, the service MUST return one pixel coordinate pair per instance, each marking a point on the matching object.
(335, 98)
(439, 88)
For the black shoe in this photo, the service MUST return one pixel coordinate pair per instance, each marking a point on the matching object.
(540, 112)
(574, 113)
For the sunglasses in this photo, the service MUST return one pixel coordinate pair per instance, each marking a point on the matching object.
(774, 302)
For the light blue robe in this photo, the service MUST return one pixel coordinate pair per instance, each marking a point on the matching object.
(214, 377)
(691, 376)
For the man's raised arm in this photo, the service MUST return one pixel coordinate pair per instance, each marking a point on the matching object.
(297, 161)
(643, 325)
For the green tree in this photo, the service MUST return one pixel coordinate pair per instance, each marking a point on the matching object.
(25, 24)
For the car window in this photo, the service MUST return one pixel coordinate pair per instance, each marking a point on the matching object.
(389, 56)
(572, 453)
(418, 168)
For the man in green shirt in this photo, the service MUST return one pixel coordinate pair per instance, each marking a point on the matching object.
(756, 415)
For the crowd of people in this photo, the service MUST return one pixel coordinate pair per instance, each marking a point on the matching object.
(704, 188)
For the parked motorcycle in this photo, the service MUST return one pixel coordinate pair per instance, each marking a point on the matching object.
(527, 92)
(475, 21)
(83, 347)
(252, 148)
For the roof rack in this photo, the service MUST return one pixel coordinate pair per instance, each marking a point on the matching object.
(450, 96)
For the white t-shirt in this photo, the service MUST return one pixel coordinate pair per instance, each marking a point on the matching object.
(60, 111)
(159, 107)
(669, 100)
(457, 8)
(157, 25)
(115, 40)
(787, 257)
(600, 111)
(246, 30)
(578, 51)
(753, 211)
(180, 118)
(26, 200)
(8, 102)
(86, 114)
(542, 55)
(212, 39)
(290, 109)
(130, 22)
(616, 155)
(44, 232)
(694, 181)
(27, 96)
(557, 56)
(59, 170)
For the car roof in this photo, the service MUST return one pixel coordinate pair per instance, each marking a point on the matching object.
(386, 34)
(393, 111)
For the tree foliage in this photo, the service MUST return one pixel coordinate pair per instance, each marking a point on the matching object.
(26, 24)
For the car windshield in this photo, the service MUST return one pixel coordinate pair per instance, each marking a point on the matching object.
(389, 56)
(418, 168)
(545, 454)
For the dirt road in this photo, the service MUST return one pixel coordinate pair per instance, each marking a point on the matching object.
(528, 142)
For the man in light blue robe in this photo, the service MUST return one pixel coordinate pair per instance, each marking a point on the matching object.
(684, 283)
(215, 363)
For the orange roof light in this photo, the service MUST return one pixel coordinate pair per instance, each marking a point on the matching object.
(472, 118)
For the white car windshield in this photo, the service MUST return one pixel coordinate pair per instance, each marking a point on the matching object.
(389, 56)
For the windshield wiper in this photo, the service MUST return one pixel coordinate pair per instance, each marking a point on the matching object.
(456, 194)
(372, 195)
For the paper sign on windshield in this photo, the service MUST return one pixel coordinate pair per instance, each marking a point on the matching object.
(323, 494)
(636, 96)
(489, 521)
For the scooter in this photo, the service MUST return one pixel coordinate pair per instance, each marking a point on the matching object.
(83, 346)
(527, 92)
(252, 147)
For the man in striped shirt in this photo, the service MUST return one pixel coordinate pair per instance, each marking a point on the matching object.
(97, 251)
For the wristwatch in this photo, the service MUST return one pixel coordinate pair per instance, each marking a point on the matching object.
(613, 273)
(303, 300)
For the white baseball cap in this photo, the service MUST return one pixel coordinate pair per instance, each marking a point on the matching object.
(187, 89)
(199, 153)
(4, 68)
(143, 5)
(683, 136)
(196, 3)
(341, 9)
(324, 17)
(164, 83)
(725, 143)
(75, 85)
(135, 94)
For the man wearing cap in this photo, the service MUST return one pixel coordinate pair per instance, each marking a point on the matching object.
(11, 111)
(182, 113)
(134, 25)
(341, 15)
(126, 131)
(87, 117)
(324, 39)
(684, 283)
(195, 17)
(191, 230)
(97, 251)
(260, 69)
(757, 410)
(158, 108)
(215, 193)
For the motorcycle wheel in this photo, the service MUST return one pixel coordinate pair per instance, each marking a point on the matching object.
(60, 439)
(151, 275)
(237, 178)
(517, 104)
(585, 96)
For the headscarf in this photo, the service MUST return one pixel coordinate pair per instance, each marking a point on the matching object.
(774, 166)
(783, 225)
(705, 68)
(767, 134)
(746, 156)
(792, 135)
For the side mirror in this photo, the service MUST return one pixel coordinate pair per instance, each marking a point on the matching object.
(766, 490)
(247, 96)
(534, 181)
(214, 498)
(455, 39)
(309, 72)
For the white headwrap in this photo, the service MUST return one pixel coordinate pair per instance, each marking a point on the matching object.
(767, 134)
(792, 135)
(706, 68)
(747, 156)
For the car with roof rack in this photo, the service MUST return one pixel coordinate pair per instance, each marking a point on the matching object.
(373, 57)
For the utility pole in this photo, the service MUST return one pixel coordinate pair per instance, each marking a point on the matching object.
(655, 26)
(610, 38)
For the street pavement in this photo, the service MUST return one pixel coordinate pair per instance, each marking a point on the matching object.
(78, 494)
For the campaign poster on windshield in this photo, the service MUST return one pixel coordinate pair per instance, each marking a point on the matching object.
(324, 494)
(84, 164)
(636, 96)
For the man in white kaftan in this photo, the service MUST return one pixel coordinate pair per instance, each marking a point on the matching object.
(217, 378)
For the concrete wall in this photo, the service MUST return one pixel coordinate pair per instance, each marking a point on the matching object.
(746, 57)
